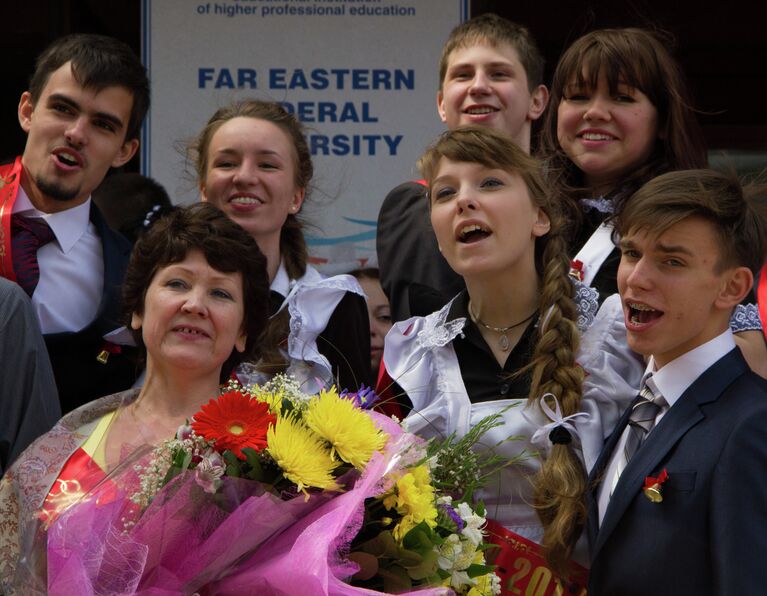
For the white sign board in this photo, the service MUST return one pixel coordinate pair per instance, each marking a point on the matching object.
(361, 74)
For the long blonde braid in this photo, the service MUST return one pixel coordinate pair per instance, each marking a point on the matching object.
(561, 482)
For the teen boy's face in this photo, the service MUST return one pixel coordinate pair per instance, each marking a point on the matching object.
(74, 135)
(486, 85)
(674, 296)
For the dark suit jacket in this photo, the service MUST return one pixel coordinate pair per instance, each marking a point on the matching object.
(81, 378)
(709, 534)
(29, 404)
(414, 274)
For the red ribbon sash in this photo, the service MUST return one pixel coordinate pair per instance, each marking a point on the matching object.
(761, 298)
(78, 477)
(523, 569)
(10, 178)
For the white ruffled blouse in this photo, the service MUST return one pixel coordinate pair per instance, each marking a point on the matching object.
(419, 356)
(311, 301)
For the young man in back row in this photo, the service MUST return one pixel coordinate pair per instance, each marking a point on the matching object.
(678, 504)
(82, 114)
(491, 74)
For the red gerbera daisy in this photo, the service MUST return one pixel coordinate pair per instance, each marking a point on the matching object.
(234, 421)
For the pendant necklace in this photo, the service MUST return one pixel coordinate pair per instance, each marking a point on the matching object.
(503, 341)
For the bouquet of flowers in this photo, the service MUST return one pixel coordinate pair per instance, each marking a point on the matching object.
(272, 491)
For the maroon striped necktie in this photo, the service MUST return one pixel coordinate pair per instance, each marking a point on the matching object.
(27, 235)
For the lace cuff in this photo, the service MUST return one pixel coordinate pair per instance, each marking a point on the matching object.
(745, 317)
(586, 301)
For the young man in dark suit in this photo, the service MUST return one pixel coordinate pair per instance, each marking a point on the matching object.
(82, 115)
(491, 74)
(679, 499)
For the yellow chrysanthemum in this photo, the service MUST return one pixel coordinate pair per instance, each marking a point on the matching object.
(301, 455)
(350, 431)
(413, 498)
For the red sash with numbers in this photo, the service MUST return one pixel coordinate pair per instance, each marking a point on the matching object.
(523, 569)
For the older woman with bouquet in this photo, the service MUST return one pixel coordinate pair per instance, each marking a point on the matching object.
(182, 487)
(185, 292)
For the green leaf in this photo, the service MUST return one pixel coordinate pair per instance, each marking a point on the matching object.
(230, 458)
(256, 472)
(172, 472)
(382, 545)
(475, 570)
(425, 568)
(396, 579)
(479, 508)
(420, 538)
(287, 407)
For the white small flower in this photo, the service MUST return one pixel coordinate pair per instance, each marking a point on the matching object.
(495, 584)
(460, 579)
(448, 552)
(184, 432)
(472, 529)
(209, 472)
(466, 557)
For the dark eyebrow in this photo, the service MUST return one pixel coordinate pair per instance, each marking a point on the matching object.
(233, 151)
(669, 248)
(496, 64)
(443, 178)
(627, 244)
(102, 115)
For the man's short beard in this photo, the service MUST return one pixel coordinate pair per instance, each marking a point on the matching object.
(55, 191)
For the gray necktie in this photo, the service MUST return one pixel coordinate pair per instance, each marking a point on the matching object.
(641, 421)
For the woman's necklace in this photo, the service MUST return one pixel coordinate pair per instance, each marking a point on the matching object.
(503, 341)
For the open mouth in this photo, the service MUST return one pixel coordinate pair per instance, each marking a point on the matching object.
(641, 314)
(190, 331)
(246, 200)
(596, 136)
(480, 110)
(472, 233)
(68, 158)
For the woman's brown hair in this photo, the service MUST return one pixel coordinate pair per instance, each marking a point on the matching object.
(227, 248)
(560, 484)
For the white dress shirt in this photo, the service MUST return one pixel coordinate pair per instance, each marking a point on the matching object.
(68, 295)
(670, 381)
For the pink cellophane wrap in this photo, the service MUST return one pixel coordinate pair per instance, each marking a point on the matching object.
(241, 540)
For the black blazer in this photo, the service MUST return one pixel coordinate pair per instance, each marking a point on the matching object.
(709, 534)
(80, 377)
(414, 275)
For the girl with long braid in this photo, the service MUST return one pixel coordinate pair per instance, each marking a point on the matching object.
(507, 344)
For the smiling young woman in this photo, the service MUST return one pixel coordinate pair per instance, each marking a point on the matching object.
(253, 162)
(620, 115)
